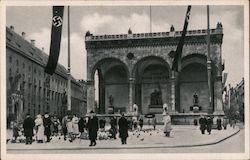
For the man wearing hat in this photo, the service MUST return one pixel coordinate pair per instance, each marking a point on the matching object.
(92, 128)
(47, 123)
(28, 125)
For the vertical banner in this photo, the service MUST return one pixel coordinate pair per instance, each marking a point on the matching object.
(177, 56)
(56, 32)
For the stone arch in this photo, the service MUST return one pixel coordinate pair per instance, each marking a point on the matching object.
(112, 62)
(193, 58)
(112, 78)
(152, 75)
(192, 79)
(153, 59)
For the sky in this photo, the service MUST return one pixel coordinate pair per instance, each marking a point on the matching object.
(35, 21)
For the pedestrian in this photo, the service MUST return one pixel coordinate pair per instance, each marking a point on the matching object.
(55, 124)
(47, 126)
(225, 123)
(28, 125)
(203, 122)
(92, 128)
(209, 124)
(113, 128)
(39, 128)
(75, 127)
(233, 123)
(69, 125)
(15, 131)
(64, 126)
(154, 122)
(81, 125)
(141, 123)
(102, 123)
(123, 129)
(134, 121)
(219, 127)
(167, 124)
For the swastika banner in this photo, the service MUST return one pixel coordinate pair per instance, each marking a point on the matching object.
(56, 32)
(177, 57)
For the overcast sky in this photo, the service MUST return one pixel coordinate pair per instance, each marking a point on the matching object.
(36, 22)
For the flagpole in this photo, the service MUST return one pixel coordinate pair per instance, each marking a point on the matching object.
(150, 19)
(209, 61)
(69, 76)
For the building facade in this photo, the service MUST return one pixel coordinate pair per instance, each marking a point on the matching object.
(234, 102)
(136, 69)
(30, 89)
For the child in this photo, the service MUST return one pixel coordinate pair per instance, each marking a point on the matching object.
(15, 131)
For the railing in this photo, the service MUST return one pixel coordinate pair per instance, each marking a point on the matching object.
(151, 35)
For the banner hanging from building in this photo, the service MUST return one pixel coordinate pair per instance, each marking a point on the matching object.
(56, 32)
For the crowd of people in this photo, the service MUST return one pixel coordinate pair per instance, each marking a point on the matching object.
(207, 123)
(46, 127)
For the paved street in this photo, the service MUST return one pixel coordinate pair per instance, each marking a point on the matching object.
(184, 139)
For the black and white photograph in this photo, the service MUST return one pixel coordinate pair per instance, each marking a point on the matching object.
(125, 80)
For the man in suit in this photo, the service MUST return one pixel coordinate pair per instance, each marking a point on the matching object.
(92, 128)
(123, 129)
(28, 125)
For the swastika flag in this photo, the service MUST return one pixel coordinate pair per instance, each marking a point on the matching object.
(177, 57)
(55, 41)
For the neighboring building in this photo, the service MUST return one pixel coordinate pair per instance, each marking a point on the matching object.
(29, 88)
(136, 69)
(234, 101)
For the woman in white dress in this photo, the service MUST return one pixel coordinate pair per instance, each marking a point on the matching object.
(39, 129)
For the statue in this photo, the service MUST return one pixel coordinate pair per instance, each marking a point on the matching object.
(165, 108)
(135, 109)
(156, 98)
(87, 34)
(195, 99)
(111, 100)
(129, 31)
(172, 28)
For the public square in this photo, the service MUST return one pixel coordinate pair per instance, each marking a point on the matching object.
(183, 138)
(125, 79)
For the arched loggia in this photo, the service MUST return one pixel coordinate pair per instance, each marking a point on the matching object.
(193, 79)
(152, 84)
(110, 78)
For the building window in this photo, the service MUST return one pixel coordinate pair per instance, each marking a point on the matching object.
(10, 59)
(23, 65)
(17, 63)
(35, 71)
(29, 68)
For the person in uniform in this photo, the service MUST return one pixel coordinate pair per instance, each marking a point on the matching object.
(203, 123)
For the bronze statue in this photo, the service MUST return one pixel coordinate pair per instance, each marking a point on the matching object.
(111, 100)
(195, 99)
(156, 98)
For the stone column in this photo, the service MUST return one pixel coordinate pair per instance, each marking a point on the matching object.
(90, 95)
(131, 94)
(218, 105)
(173, 79)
